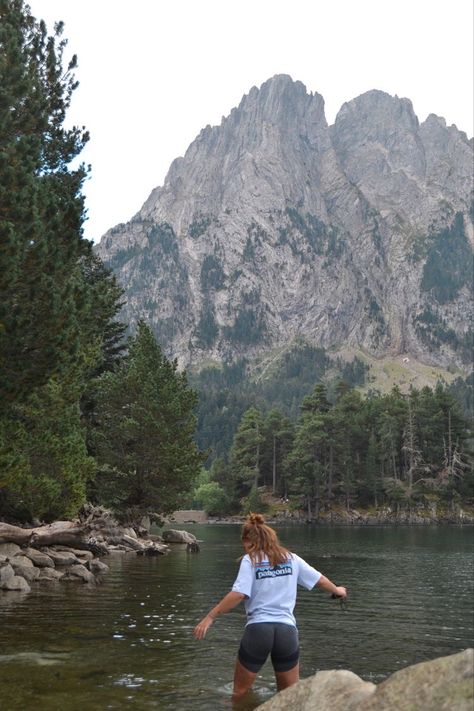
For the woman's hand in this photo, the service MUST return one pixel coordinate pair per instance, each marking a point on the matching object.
(201, 628)
(341, 591)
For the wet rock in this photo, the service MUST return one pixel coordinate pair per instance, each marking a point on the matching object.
(16, 582)
(174, 536)
(79, 572)
(28, 572)
(96, 567)
(6, 572)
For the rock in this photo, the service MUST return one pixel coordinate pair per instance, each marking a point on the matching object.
(6, 572)
(50, 574)
(313, 230)
(338, 690)
(16, 582)
(145, 523)
(22, 560)
(96, 567)
(62, 557)
(79, 572)
(29, 572)
(9, 549)
(130, 532)
(41, 560)
(443, 684)
(86, 555)
(175, 536)
(133, 543)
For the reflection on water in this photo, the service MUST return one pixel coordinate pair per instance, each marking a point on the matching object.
(128, 643)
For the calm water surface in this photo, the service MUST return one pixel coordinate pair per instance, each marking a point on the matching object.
(128, 643)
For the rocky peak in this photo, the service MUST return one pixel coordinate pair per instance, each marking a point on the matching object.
(275, 226)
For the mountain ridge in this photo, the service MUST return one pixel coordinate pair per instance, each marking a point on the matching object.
(275, 226)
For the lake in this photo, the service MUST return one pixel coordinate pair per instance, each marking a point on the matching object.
(128, 644)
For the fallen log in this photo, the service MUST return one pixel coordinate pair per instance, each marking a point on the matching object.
(64, 533)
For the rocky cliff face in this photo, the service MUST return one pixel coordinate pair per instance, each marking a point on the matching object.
(275, 225)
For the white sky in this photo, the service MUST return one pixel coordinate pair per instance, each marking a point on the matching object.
(154, 72)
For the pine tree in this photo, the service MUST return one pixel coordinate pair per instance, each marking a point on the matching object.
(145, 428)
(245, 455)
(42, 208)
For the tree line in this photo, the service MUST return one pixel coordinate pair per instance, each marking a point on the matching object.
(85, 412)
(391, 450)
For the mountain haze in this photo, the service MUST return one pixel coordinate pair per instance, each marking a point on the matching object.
(275, 226)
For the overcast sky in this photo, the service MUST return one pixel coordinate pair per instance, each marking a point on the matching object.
(154, 72)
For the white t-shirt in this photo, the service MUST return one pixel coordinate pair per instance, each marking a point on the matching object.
(271, 590)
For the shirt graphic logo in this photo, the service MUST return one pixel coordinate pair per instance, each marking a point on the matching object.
(276, 572)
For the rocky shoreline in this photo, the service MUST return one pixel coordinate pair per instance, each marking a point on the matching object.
(340, 516)
(71, 551)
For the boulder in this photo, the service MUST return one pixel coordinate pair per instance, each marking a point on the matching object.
(9, 549)
(86, 555)
(28, 572)
(133, 543)
(39, 558)
(79, 572)
(62, 557)
(335, 690)
(6, 572)
(130, 532)
(50, 574)
(16, 582)
(174, 536)
(96, 567)
(443, 684)
(22, 560)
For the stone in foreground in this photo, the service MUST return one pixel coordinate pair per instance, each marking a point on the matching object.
(444, 684)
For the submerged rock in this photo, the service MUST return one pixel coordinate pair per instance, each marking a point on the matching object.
(174, 536)
(443, 684)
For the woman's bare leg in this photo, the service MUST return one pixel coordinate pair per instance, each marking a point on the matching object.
(243, 680)
(288, 678)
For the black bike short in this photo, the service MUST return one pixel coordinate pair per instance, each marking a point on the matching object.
(263, 638)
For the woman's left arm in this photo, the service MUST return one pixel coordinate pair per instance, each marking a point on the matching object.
(228, 602)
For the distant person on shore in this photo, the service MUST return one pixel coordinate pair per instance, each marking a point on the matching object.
(267, 581)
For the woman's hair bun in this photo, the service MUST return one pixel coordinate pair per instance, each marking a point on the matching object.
(255, 519)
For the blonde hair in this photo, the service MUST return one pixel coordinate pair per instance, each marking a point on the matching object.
(263, 541)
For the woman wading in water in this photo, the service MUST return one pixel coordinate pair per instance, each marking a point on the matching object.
(267, 581)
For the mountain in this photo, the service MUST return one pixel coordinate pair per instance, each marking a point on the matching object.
(275, 226)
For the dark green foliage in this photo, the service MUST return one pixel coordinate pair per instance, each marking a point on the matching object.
(393, 450)
(225, 393)
(42, 296)
(207, 329)
(448, 266)
(163, 237)
(212, 273)
(145, 428)
(199, 226)
(248, 327)
(433, 331)
(58, 303)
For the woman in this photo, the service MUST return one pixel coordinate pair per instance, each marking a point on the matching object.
(267, 581)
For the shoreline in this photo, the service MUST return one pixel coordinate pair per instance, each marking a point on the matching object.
(354, 517)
